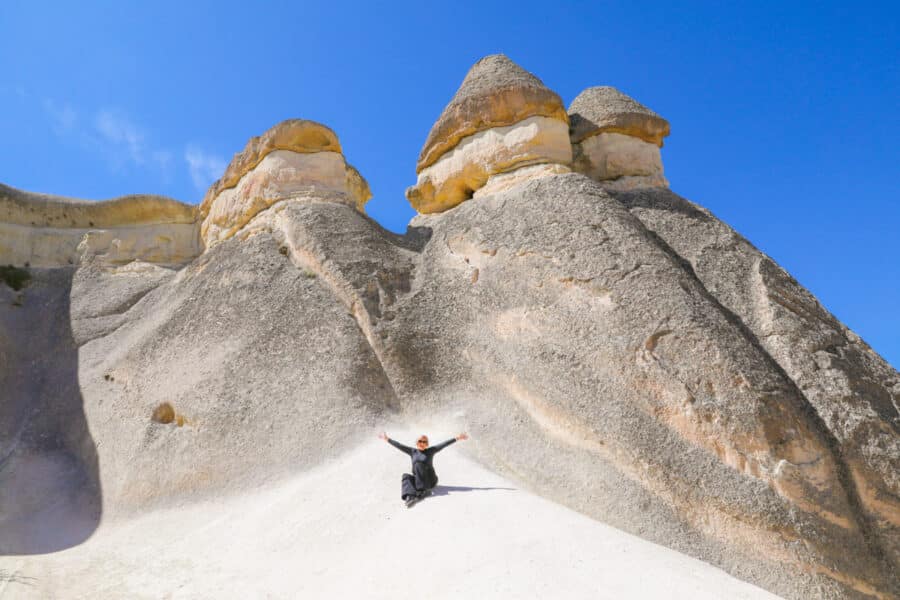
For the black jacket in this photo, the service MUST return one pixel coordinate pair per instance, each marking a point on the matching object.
(422, 466)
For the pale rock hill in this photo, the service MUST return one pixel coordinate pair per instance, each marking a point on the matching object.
(619, 352)
(314, 536)
(854, 391)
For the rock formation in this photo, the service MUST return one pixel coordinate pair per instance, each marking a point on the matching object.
(852, 389)
(292, 159)
(502, 127)
(40, 230)
(607, 344)
(616, 140)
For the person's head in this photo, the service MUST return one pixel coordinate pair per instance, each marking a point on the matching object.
(422, 442)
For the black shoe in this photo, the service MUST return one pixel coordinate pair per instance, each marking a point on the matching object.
(410, 500)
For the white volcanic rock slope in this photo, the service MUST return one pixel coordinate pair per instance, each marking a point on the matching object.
(317, 535)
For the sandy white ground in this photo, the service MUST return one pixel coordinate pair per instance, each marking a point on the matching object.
(315, 537)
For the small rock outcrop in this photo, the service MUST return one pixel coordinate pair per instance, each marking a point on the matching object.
(616, 140)
(295, 158)
(41, 230)
(502, 127)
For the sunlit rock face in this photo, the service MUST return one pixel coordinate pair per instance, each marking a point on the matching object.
(616, 140)
(49, 231)
(854, 390)
(296, 158)
(501, 120)
(623, 353)
(614, 366)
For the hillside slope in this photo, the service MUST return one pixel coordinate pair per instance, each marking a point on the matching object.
(320, 535)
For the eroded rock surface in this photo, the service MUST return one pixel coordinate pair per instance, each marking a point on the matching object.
(501, 121)
(268, 371)
(853, 390)
(41, 230)
(604, 109)
(616, 140)
(294, 158)
(50, 491)
(621, 352)
(495, 92)
(630, 393)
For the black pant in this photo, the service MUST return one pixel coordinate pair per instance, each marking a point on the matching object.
(414, 485)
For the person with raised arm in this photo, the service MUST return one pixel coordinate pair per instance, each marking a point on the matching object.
(418, 484)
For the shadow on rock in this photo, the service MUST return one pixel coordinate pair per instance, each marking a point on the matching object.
(49, 480)
(6, 577)
(444, 490)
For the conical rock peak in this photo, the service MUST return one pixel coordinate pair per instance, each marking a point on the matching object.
(495, 92)
(605, 109)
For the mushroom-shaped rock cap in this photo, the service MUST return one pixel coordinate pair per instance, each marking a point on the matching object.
(296, 159)
(605, 109)
(495, 93)
(296, 135)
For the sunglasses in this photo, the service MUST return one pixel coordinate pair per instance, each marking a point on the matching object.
(422, 442)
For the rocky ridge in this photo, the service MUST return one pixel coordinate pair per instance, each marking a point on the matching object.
(41, 230)
(608, 344)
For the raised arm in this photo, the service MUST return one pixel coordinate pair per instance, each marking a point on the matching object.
(405, 449)
(441, 446)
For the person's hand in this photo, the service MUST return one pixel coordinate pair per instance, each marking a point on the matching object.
(463, 436)
(383, 436)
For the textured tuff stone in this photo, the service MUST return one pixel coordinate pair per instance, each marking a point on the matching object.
(853, 390)
(41, 230)
(463, 171)
(294, 158)
(624, 382)
(619, 160)
(501, 119)
(495, 92)
(616, 140)
(621, 352)
(296, 135)
(604, 109)
(589, 359)
(18, 207)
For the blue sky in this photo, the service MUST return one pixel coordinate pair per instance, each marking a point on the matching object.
(784, 115)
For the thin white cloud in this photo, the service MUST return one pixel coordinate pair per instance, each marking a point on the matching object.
(163, 161)
(63, 117)
(204, 167)
(122, 142)
(121, 135)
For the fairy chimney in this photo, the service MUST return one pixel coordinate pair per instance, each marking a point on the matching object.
(616, 140)
(503, 126)
(295, 158)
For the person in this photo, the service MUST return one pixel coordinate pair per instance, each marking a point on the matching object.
(418, 484)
